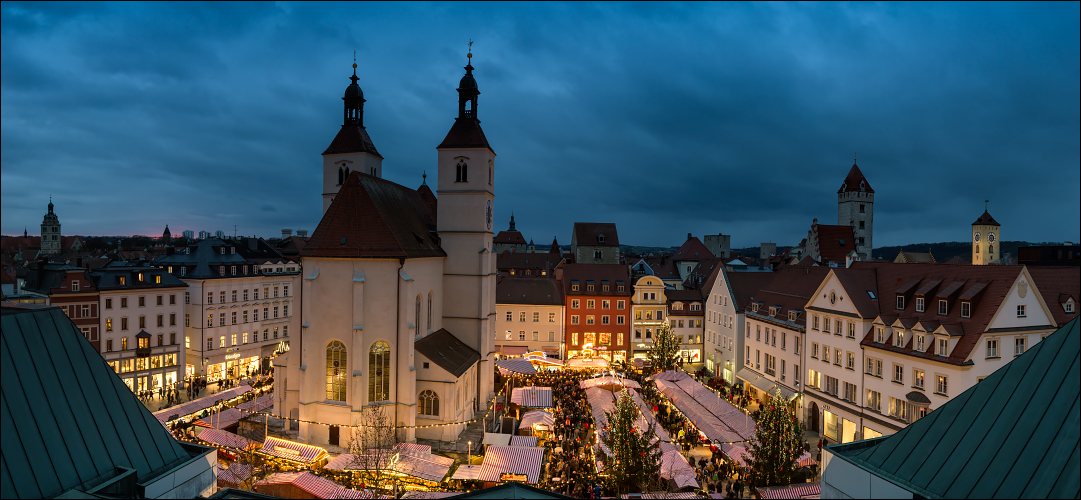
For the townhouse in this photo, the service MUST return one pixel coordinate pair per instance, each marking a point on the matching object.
(72, 289)
(529, 315)
(726, 296)
(685, 315)
(648, 305)
(597, 310)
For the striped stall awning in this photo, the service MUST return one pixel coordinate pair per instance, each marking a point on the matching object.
(198, 405)
(466, 473)
(517, 365)
(609, 382)
(670, 376)
(795, 491)
(537, 417)
(674, 466)
(499, 460)
(805, 460)
(291, 450)
(236, 473)
(224, 439)
(523, 441)
(532, 397)
(319, 487)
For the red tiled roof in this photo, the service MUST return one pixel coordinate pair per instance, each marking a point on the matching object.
(512, 260)
(747, 285)
(790, 288)
(512, 237)
(588, 233)
(985, 220)
(372, 217)
(834, 242)
(351, 139)
(465, 133)
(1056, 285)
(533, 291)
(852, 181)
(597, 273)
(692, 249)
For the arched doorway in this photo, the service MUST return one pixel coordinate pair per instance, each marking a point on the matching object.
(814, 417)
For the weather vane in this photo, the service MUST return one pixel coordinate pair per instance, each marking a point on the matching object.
(354, 58)
(985, 202)
(469, 52)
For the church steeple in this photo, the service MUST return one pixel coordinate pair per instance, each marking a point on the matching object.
(467, 91)
(354, 101)
(511, 222)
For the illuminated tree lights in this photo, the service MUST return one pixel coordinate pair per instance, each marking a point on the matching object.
(778, 443)
(636, 459)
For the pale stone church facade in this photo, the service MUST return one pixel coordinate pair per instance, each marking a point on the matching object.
(398, 294)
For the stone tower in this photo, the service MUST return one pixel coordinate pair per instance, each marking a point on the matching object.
(985, 240)
(466, 192)
(855, 207)
(50, 232)
(351, 150)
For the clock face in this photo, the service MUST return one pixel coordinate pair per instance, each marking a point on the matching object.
(976, 237)
(488, 215)
(991, 237)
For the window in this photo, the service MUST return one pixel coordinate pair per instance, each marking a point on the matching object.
(574, 319)
(142, 321)
(919, 304)
(574, 286)
(521, 335)
(850, 392)
(874, 400)
(161, 320)
(795, 343)
(604, 320)
(771, 364)
(142, 301)
(943, 347)
(899, 339)
(187, 319)
(851, 329)
(898, 373)
(209, 297)
(825, 325)
(880, 335)
(758, 333)
(285, 313)
(606, 304)
(336, 368)
(917, 378)
(123, 343)
(874, 367)
(510, 316)
(209, 344)
(814, 350)
(1068, 306)
(621, 304)
(379, 372)
(187, 298)
(108, 303)
(266, 313)
(597, 254)
(428, 403)
(966, 309)
(75, 286)
(851, 361)
(536, 317)
(234, 317)
(1021, 311)
(940, 385)
(898, 408)
(574, 338)
(551, 317)
(992, 348)
(920, 343)
(461, 173)
(591, 304)
(1018, 346)
(814, 322)
(589, 286)
(814, 379)
(942, 308)
(590, 319)
(109, 325)
(837, 357)
(900, 302)
(575, 304)
(831, 385)
(123, 323)
(620, 320)
(862, 208)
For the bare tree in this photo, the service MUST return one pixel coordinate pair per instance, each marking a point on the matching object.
(373, 445)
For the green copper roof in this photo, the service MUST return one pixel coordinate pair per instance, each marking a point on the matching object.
(1016, 434)
(67, 419)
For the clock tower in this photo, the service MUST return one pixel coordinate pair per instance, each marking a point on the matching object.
(466, 192)
(985, 240)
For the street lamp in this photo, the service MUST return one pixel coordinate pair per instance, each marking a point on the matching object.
(469, 454)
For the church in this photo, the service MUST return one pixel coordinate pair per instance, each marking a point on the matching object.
(398, 293)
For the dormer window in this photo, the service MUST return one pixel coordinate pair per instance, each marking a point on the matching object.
(574, 285)
(604, 286)
(677, 306)
(157, 279)
(773, 311)
(899, 339)
(221, 250)
(880, 335)
(1068, 306)
(696, 307)
(966, 309)
(141, 277)
(900, 302)
(943, 347)
(600, 238)
(919, 304)
(619, 286)
(793, 315)
(221, 270)
(232, 250)
(755, 306)
(942, 308)
(590, 286)
(123, 280)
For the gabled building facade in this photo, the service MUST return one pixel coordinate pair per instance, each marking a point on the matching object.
(529, 317)
(598, 298)
(595, 243)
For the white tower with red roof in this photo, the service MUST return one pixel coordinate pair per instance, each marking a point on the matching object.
(855, 207)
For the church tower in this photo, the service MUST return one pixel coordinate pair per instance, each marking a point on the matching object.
(50, 232)
(351, 150)
(985, 240)
(466, 191)
(855, 207)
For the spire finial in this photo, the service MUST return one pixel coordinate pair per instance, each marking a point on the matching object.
(985, 202)
(424, 178)
(854, 156)
(469, 52)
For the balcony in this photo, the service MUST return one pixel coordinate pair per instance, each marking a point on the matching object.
(142, 342)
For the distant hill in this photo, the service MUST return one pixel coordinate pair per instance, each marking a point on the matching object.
(947, 250)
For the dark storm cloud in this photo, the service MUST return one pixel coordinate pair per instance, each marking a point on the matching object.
(663, 118)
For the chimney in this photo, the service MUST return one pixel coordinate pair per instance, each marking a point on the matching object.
(286, 233)
(688, 236)
(303, 233)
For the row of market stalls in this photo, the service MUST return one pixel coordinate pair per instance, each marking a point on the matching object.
(194, 409)
(407, 463)
(602, 396)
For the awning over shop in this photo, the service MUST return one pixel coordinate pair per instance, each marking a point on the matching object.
(500, 462)
(550, 349)
(291, 450)
(466, 472)
(786, 393)
(805, 460)
(517, 365)
(225, 439)
(917, 397)
(759, 382)
(514, 350)
(532, 397)
(530, 441)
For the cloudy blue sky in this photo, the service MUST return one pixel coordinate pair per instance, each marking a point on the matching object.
(664, 118)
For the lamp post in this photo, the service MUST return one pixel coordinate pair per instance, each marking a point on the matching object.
(469, 454)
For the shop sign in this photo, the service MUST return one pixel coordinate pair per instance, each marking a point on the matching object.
(507, 476)
(499, 407)
(232, 356)
(287, 451)
(232, 349)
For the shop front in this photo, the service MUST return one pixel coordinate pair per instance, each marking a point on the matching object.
(690, 354)
(838, 428)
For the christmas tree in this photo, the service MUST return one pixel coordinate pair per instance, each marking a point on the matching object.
(664, 353)
(636, 461)
(778, 443)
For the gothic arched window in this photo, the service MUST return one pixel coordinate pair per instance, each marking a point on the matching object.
(341, 175)
(430, 296)
(336, 367)
(462, 174)
(416, 316)
(428, 403)
(379, 372)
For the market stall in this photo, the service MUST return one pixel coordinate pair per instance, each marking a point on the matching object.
(291, 455)
(512, 463)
